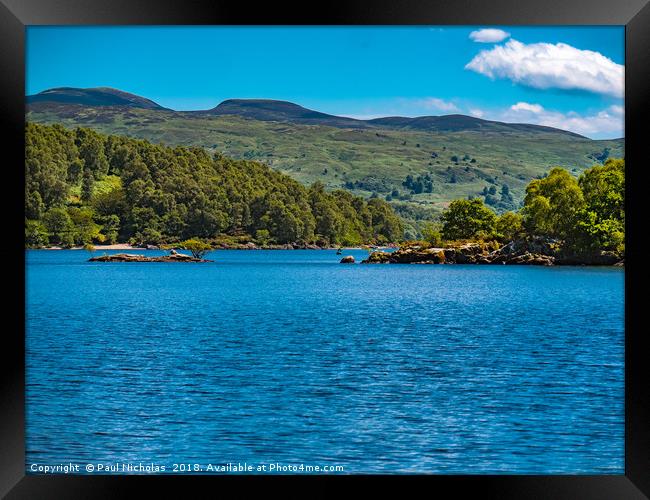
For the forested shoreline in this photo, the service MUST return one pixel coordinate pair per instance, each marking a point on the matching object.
(86, 188)
(564, 220)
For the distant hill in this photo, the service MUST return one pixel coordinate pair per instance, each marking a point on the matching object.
(284, 111)
(446, 157)
(100, 96)
(271, 110)
(458, 123)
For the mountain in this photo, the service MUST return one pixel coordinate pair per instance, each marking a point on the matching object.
(457, 123)
(100, 96)
(284, 111)
(280, 111)
(446, 157)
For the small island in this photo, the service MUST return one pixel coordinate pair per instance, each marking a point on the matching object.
(197, 248)
(130, 257)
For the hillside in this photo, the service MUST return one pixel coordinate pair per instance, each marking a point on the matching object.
(101, 96)
(280, 111)
(446, 157)
(83, 187)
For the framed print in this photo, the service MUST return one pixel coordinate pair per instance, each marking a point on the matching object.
(389, 241)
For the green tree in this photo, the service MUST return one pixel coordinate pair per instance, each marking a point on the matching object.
(432, 233)
(87, 186)
(48, 152)
(110, 228)
(328, 218)
(75, 171)
(552, 204)
(601, 222)
(59, 227)
(34, 206)
(91, 151)
(510, 226)
(387, 226)
(112, 202)
(197, 247)
(35, 234)
(466, 219)
(85, 228)
(148, 236)
(603, 189)
(262, 236)
(593, 234)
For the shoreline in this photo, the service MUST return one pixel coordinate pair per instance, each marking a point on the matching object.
(472, 253)
(126, 246)
(516, 252)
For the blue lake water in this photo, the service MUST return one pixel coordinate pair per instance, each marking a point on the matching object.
(290, 357)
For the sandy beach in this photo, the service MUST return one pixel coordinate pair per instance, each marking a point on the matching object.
(116, 246)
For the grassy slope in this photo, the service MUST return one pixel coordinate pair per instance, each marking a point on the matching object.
(334, 155)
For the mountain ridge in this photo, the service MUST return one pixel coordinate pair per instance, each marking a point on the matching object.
(286, 111)
(96, 96)
(418, 164)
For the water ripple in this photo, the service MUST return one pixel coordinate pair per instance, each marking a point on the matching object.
(286, 356)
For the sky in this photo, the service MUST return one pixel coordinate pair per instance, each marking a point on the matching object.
(570, 77)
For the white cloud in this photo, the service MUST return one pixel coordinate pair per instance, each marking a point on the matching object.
(524, 106)
(439, 104)
(617, 109)
(608, 122)
(489, 35)
(545, 65)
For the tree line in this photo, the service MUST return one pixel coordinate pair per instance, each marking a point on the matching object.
(583, 215)
(83, 187)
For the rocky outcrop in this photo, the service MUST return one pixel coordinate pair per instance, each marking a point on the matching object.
(305, 246)
(464, 254)
(415, 255)
(534, 251)
(595, 259)
(527, 258)
(378, 258)
(348, 259)
(130, 257)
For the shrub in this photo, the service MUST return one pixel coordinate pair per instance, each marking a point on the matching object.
(197, 247)
(432, 234)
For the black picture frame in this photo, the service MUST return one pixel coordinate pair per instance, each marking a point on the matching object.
(16, 14)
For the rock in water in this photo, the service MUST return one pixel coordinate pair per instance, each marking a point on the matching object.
(348, 259)
(377, 258)
(129, 257)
